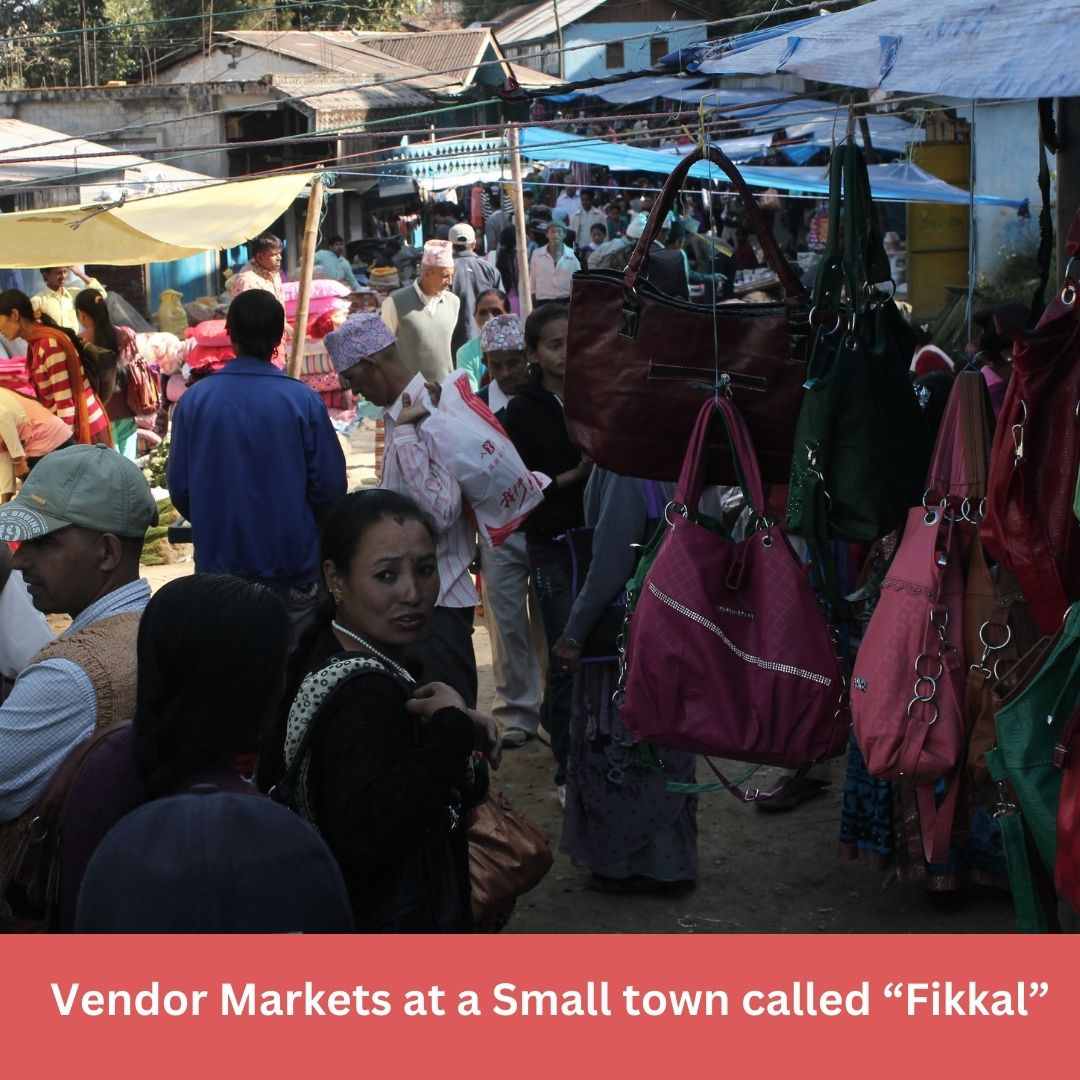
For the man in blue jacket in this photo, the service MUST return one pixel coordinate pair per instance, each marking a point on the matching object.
(254, 462)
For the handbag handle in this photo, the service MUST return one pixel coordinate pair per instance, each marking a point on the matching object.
(692, 476)
(793, 290)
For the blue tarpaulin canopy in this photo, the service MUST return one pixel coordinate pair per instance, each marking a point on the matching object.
(953, 48)
(898, 182)
(818, 122)
(630, 91)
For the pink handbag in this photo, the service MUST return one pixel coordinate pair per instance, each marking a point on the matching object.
(728, 651)
(908, 685)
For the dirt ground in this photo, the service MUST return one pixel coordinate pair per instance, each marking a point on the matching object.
(757, 872)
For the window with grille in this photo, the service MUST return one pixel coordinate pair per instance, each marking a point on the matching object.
(658, 49)
(614, 57)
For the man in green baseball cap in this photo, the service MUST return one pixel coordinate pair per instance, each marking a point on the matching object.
(80, 520)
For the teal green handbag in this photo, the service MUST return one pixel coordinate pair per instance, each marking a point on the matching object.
(1038, 695)
(1030, 724)
(862, 446)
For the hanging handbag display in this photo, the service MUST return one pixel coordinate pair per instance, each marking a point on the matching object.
(508, 856)
(728, 652)
(1035, 702)
(638, 360)
(1029, 524)
(998, 631)
(908, 684)
(862, 443)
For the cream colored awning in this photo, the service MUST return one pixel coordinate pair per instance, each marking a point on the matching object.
(156, 229)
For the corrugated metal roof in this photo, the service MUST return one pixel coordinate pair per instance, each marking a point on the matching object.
(335, 102)
(57, 159)
(65, 160)
(539, 20)
(456, 52)
(529, 77)
(341, 52)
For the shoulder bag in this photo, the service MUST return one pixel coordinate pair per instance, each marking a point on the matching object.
(1030, 525)
(639, 360)
(728, 652)
(862, 443)
(1035, 704)
(508, 856)
(908, 683)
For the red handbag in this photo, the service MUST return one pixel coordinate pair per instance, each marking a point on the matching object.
(728, 651)
(639, 360)
(1029, 524)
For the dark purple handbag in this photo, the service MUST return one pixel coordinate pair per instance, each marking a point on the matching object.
(728, 651)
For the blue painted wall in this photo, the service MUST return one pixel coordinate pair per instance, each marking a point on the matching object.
(1006, 163)
(193, 277)
(590, 63)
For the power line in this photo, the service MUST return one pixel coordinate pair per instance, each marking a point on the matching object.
(287, 4)
(816, 5)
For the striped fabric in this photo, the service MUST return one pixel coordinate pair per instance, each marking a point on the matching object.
(47, 366)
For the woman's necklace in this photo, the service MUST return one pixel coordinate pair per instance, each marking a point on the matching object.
(396, 667)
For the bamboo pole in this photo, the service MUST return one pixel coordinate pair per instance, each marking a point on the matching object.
(524, 285)
(307, 267)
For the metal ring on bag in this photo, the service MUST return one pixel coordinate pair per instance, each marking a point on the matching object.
(926, 674)
(812, 319)
(766, 541)
(918, 701)
(995, 648)
(679, 508)
(931, 517)
(922, 696)
(873, 291)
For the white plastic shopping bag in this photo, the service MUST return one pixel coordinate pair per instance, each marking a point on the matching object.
(474, 447)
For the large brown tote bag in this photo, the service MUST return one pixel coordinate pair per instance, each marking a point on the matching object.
(640, 363)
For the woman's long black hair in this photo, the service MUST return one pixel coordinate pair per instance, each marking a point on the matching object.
(211, 653)
(93, 304)
(17, 300)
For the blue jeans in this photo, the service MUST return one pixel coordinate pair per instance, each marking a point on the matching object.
(550, 562)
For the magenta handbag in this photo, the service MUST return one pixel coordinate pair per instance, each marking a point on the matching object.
(728, 651)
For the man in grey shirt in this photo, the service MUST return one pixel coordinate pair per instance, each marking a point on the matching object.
(473, 277)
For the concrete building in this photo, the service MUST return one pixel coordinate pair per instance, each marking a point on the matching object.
(598, 37)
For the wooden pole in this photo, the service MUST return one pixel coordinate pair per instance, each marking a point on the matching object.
(524, 285)
(307, 267)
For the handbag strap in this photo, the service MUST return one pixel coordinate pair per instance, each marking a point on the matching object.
(960, 462)
(692, 476)
(793, 290)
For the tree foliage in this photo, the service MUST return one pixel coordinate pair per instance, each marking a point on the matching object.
(42, 43)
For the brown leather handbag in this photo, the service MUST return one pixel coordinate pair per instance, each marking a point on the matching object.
(508, 856)
(640, 363)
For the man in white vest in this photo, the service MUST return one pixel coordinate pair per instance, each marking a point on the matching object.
(422, 316)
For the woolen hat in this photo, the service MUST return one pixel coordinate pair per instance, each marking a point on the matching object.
(93, 487)
(210, 862)
(503, 333)
(358, 337)
(438, 253)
